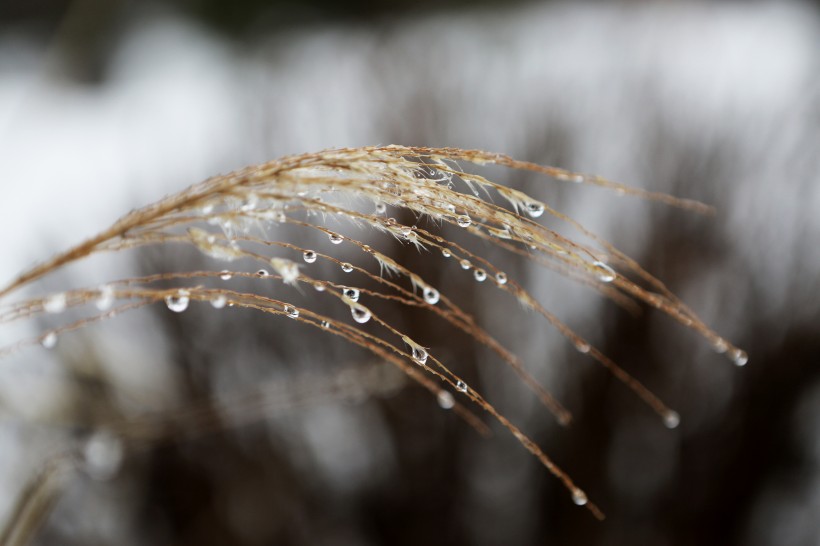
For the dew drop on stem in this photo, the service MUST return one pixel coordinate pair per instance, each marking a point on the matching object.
(346, 267)
(431, 295)
(178, 302)
(335, 238)
(604, 272)
(445, 400)
(359, 313)
(480, 275)
(534, 209)
(351, 293)
(225, 275)
(49, 340)
(463, 220)
(461, 386)
(309, 256)
(291, 311)
(579, 497)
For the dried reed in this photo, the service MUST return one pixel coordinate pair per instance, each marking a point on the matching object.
(360, 186)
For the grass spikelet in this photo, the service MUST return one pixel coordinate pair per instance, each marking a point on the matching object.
(348, 196)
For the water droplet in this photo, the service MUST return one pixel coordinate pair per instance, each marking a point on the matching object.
(55, 303)
(501, 277)
(579, 497)
(309, 256)
(346, 267)
(335, 238)
(534, 209)
(445, 400)
(480, 275)
(739, 357)
(360, 313)
(463, 220)
(405, 231)
(465, 264)
(262, 273)
(219, 301)
(412, 237)
(225, 275)
(582, 346)
(671, 419)
(431, 295)
(418, 352)
(319, 287)
(381, 208)
(325, 324)
(576, 178)
(351, 293)
(102, 455)
(446, 253)
(461, 386)
(604, 272)
(105, 298)
(49, 340)
(178, 302)
(291, 311)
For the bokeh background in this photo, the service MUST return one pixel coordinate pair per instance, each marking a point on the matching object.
(271, 435)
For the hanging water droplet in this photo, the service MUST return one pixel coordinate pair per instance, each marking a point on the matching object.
(262, 273)
(480, 275)
(501, 277)
(351, 293)
(178, 302)
(465, 264)
(381, 208)
(445, 400)
(225, 275)
(604, 272)
(461, 386)
(102, 455)
(739, 357)
(219, 301)
(346, 267)
(463, 220)
(105, 298)
(405, 231)
(55, 303)
(579, 497)
(446, 253)
(582, 346)
(325, 324)
(418, 352)
(309, 256)
(671, 419)
(335, 238)
(49, 340)
(360, 313)
(534, 209)
(291, 311)
(431, 295)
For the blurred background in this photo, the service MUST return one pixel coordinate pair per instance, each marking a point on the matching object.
(264, 433)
